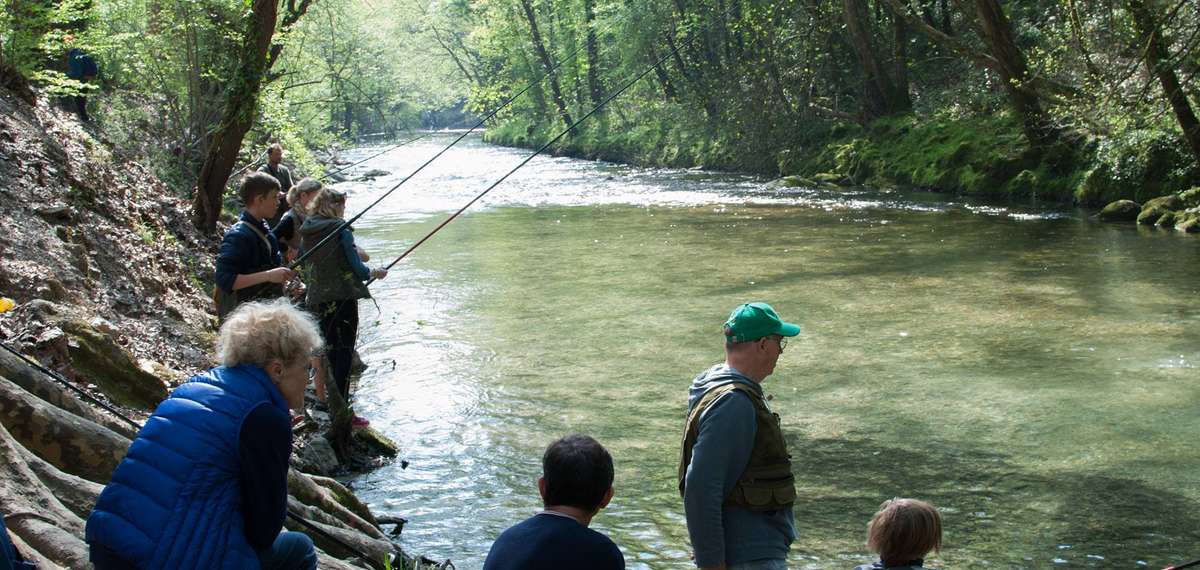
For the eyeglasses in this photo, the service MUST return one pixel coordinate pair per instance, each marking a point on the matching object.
(782, 340)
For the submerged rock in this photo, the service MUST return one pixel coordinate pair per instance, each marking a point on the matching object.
(1120, 211)
(376, 443)
(372, 174)
(794, 182)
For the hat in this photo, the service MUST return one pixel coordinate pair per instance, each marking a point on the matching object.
(752, 321)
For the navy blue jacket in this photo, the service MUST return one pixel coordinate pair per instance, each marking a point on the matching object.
(243, 251)
(80, 64)
(179, 499)
(553, 542)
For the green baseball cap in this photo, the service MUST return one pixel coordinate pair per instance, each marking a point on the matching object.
(752, 321)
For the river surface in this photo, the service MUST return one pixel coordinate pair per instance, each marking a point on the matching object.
(1031, 373)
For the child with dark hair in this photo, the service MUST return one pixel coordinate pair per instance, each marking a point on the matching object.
(248, 265)
(576, 482)
(903, 532)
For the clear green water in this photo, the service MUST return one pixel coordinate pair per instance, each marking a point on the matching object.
(1032, 375)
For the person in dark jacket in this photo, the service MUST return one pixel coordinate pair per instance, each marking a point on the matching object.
(248, 265)
(276, 169)
(204, 484)
(82, 68)
(335, 276)
(287, 230)
(903, 532)
(576, 482)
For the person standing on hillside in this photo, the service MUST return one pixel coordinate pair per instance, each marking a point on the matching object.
(735, 474)
(82, 68)
(287, 231)
(248, 265)
(275, 168)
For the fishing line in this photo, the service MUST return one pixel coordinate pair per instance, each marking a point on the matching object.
(1184, 565)
(337, 231)
(376, 155)
(627, 85)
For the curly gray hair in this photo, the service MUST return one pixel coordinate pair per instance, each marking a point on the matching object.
(259, 332)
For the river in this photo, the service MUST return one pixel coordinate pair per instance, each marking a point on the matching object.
(1031, 373)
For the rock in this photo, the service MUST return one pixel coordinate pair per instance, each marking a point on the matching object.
(99, 359)
(1167, 220)
(161, 371)
(357, 366)
(375, 442)
(1187, 221)
(831, 179)
(43, 310)
(372, 174)
(1190, 198)
(102, 325)
(1154, 209)
(79, 257)
(1120, 211)
(794, 182)
(316, 457)
(57, 213)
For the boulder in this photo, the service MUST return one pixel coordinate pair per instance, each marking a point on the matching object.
(1188, 220)
(1154, 209)
(795, 182)
(376, 443)
(1190, 198)
(1120, 211)
(1167, 220)
(831, 179)
(98, 358)
(316, 457)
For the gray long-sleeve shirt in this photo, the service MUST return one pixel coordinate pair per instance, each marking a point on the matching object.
(720, 533)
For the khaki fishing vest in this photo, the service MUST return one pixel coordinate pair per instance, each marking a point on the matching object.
(767, 484)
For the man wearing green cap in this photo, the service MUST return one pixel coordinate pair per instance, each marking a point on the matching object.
(734, 474)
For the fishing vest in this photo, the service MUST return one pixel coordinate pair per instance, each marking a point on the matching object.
(767, 484)
(227, 302)
(327, 272)
(175, 501)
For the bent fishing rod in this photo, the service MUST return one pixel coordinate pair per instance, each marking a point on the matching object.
(560, 135)
(337, 231)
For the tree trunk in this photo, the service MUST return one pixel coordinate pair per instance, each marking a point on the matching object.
(69, 442)
(547, 63)
(593, 53)
(1014, 74)
(1158, 61)
(37, 383)
(882, 96)
(240, 105)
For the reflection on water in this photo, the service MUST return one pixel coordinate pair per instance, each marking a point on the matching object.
(1030, 374)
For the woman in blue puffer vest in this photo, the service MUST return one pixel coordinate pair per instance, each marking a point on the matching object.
(204, 485)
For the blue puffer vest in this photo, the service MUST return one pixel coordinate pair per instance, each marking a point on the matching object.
(174, 501)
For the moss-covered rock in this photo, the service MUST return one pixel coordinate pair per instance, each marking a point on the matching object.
(376, 443)
(1188, 220)
(97, 357)
(830, 179)
(1166, 220)
(795, 182)
(1154, 209)
(1190, 198)
(1120, 211)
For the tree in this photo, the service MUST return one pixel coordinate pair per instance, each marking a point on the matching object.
(241, 102)
(886, 92)
(1153, 48)
(547, 64)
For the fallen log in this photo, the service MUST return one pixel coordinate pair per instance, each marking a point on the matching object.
(335, 539)
(345, 497)
(70, 443)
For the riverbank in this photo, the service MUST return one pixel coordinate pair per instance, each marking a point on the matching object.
(973, 155)
(111, 287)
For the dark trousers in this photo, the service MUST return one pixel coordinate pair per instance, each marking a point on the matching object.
(339, 326)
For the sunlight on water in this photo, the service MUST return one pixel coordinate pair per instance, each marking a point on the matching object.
(1031, 374)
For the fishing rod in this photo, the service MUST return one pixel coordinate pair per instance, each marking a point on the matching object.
(1184, 565)
(560, 135)
(337, 231)
(376, 155)
(62, 380)
(138, 427)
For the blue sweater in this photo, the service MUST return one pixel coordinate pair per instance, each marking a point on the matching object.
(552, 542)
(720, 533)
